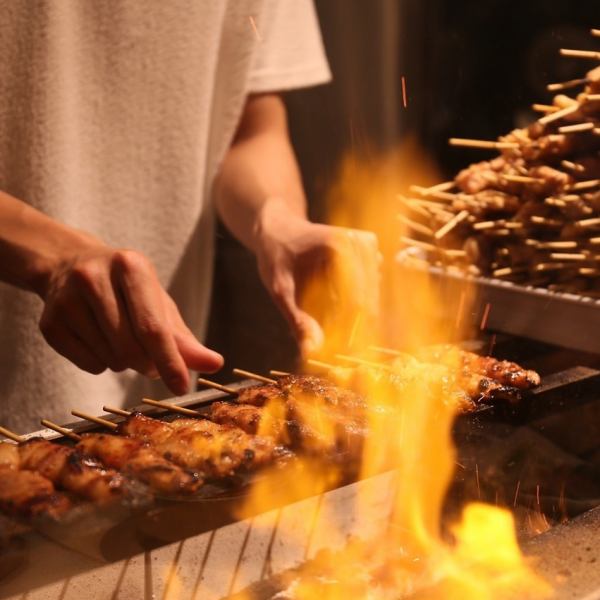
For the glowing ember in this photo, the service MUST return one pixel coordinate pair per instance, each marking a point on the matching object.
(484, 318)
(411, 405)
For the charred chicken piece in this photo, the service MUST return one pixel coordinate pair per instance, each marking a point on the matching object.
(503, 372)
(302, 411)
(68, 469)
(214, 450)
(137, 459)
(245, 416)
(302, 386)
(309, 426)
(25, 493)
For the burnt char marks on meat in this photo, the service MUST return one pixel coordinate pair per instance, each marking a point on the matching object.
(212, 449)
(28, 494)
(137, 459)
(68, 469)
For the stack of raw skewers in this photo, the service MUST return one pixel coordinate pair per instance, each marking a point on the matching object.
(530, 215)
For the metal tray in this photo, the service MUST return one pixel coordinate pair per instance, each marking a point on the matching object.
(561, 319)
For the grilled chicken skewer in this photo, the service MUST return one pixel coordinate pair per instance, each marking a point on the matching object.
(503, 372)
(137, 459)
(214, 450)
(70, 470)
(27, 494)
(304, 412)
(141, 461)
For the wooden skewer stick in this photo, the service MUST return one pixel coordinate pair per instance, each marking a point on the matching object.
(538, 220)
(217, 386)
(555, 202)
(172, 407)
(545, 108)
(11, 435)
(434, 189)
(507, 271)
(556, 266)
(559, 245)
(454, 253)
(388, 351)
(576, 128)
(559, 114)
(415, 226)
(484, 144)
(418, 244)
(62, 430)
(361, 361)
(116, 411)
(451, 224)
(593, 222)
(584, 185)
(276, 373)
(576, 256)
(483, 225)
(565, 85)
(414, 206)
(568, 164)
(595, 32)
(592, 98)
(97, 420)
(256, 376)
(580, 53)
(431, 205)
(321, 365)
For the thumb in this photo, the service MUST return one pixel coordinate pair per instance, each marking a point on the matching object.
(306, 329)
(195, 355)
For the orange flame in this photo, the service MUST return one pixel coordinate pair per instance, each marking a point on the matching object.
(410, 408)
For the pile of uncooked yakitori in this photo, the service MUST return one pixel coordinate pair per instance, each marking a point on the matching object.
(532, 214)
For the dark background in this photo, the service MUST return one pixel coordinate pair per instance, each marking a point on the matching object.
(472, 69)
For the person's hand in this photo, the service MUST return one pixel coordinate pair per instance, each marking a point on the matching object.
(105, 308)
(321, 277)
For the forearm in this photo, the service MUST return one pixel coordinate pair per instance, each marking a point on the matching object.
(259, 172)
(32, 244)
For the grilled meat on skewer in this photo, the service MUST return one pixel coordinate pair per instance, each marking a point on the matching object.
(25, 493)
(307, 412)
(312, 427)
(245, 416)
(502, 371)
(212, 449)
(68, 469)
(139, 460)
(302, 386)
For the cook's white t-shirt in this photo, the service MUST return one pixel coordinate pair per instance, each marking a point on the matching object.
(114, 117)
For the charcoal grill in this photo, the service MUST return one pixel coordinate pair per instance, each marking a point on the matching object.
(541, 456)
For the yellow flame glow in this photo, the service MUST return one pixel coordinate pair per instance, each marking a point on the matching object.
(411, 407)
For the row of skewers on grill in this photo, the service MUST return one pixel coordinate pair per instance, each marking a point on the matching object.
(263, 425)
(530, 215)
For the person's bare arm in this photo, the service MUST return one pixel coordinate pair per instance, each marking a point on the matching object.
(103, 307)
(260, 198)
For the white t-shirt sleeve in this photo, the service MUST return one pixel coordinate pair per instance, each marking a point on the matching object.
(289, 52)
